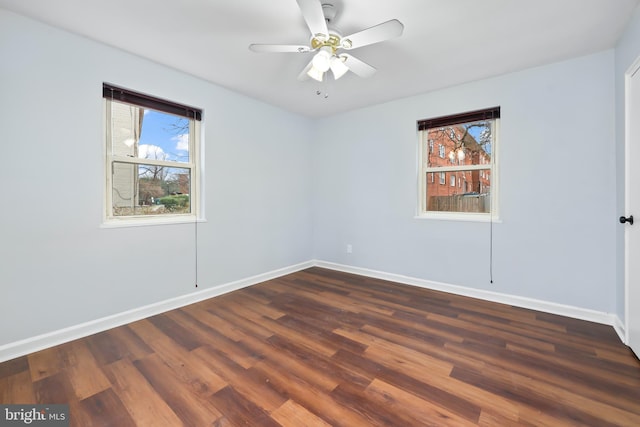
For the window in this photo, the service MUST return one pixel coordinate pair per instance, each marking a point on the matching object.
(151, 151)
(467, 150)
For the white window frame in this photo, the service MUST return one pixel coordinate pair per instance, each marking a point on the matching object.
(423, 169)
(193, 165)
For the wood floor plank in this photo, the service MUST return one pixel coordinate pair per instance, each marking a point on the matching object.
(45, 363)
(309, 396)
(54, 389)
(17, 388)
(341, 302)
(425, 347)
(14, 367)
(240, 411)
(139, 397)
(112, 345)
(297, 366)
(236, 376)
(624, 357)
(462, 403)
(183, 364)
(105, 348)
(603, 369)
(413, 362)
(192, 408)
(103, 409)
(293, 415)
(581, 382)
(549, 404)
(412, 409)
(376, 414)
(313, 362)
(84, 373)
(320, 347)
(322, 340)
(177, 333)
(235, 351)
(224, 327)
(245, 324)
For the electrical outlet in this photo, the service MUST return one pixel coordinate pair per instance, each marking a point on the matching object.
(349, 249)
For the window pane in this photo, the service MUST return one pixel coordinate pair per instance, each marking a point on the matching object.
(149, 134)
(463, 144)
(140, 189)
(472, 192)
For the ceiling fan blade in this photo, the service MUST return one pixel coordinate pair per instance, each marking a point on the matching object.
(377, 33)
(357, 66)
(313, 16)
(303, 75)
(279, 48)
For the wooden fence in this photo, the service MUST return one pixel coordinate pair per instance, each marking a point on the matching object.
(460, 203)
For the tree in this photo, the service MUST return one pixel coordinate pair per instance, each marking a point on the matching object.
(149, 189)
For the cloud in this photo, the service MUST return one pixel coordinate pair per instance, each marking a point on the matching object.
(182, 142)
(147, 151)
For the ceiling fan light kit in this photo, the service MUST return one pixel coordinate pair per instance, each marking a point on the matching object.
(327, 42)
(338, 67)
(322, 60)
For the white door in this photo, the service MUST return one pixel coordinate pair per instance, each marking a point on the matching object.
(632, 196)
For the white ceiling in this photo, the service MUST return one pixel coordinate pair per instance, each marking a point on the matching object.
(445, 42)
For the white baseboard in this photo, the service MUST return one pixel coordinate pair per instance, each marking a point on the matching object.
(620, 329)
(529, 303)
(50, 339)
(40, 342)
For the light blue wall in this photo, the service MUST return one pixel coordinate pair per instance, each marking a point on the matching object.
(627, 51)
(58, 268)
(283, 189)
(556, 240)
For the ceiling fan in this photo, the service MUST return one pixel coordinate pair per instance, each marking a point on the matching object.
(328, 42)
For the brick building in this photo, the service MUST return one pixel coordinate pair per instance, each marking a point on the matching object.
(453, 146)
(459, 190)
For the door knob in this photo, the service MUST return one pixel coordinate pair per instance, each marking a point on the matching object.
(629, 220)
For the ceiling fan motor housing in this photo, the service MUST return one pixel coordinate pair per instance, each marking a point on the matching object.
(334, 40)
(329, 11)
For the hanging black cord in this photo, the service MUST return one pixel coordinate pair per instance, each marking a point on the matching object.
(196, 245)
(195, 220)
(491, 247)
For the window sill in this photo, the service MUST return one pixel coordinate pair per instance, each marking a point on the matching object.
(469, 217)
(146, 222)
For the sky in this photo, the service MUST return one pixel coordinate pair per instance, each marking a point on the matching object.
(163, 137)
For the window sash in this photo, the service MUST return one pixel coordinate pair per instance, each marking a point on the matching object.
(424, 182)
(152, 162)
(111, 160)
(457, 168)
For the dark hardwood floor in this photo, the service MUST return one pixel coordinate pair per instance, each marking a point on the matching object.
(322, 348)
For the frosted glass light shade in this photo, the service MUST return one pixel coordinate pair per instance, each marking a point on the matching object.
(322, 60)
(315, 74)
(338, 67)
